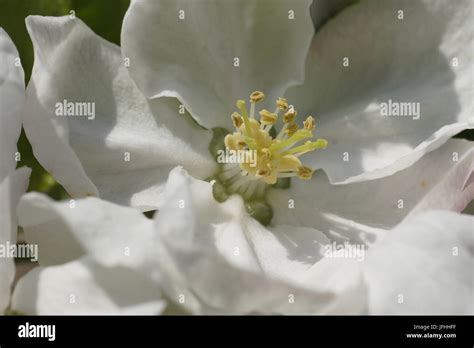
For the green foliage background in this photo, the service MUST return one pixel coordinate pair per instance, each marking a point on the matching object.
(103, 16)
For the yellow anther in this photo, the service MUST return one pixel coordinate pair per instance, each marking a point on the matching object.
(256, 96)
(230, 141)
(277, 157)
(235, 141)
(241, 144)
(271, 178)
(289, 116)
(266, 154)
(267, 117)
(309, 123)
(237, 120)
(305, 173)
(291, 129)
(240, 104)
(263, 172)
(282, 104)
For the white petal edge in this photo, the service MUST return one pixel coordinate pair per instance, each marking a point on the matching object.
(423, 266)
(112, 235)
(83, 287)
(124, 152)
(107, 263)
(12, 100)
(389, 59)
(193, 58)
(11, 188)
(361, 212)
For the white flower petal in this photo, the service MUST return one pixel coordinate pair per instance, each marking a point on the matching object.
(358, 211)
(297, 255)
(107, 256)
(12, 183)
(84, 287)
(193, 58)
(423, 266)
(197, 261)
(233, 264)
(124, 154)
(12, 98)
(220, 287)
(110, 234)
(389, 59)
(11, 188)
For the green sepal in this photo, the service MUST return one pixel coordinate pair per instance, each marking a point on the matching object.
(282, 183)
(219, 192)
(217, 141)
(260, 211)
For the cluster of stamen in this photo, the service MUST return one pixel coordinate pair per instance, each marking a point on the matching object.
(278, 156)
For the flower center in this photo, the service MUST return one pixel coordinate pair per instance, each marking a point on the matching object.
(255, 157)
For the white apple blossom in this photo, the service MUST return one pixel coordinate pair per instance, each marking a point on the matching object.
(13, 183)
(213, 257)
(126, 152)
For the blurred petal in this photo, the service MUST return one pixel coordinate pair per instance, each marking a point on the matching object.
(11, 188)
(12, 98)
(388, 59)
(194, 58)
(423, 266)
(85, 288)
(357, 212)
(125, 151)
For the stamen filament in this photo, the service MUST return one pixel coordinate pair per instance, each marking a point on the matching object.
(277, 111)
(308, 146)
(229, 173)
(252, 110)
(282, 132)
(241, 181)
(299, 135)
(243, 110)
(251, 142)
